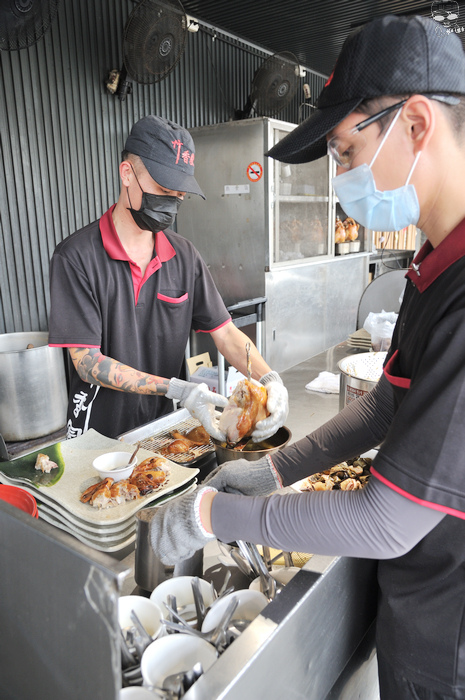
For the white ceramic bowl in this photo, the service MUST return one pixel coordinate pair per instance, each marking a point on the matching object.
(181, 588)
(114, 465)
(282, 575)
(250, 604)
(136, 693)
(146, 610)
(174, 654)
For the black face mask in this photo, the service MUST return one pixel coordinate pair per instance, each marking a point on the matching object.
(157, 211)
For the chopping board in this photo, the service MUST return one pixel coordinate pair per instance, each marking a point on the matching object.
(63, 486)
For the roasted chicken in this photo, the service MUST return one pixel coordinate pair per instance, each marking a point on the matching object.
(247, 406)
(196, 437)
(351, 229)
(340, 232)
(147, 476)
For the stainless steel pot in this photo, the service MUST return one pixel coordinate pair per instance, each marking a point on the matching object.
(351, 387)
(274, 443)
(33, 394)
(149, 571)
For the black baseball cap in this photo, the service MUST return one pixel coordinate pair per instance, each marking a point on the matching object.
(388, 56)
(167, 151)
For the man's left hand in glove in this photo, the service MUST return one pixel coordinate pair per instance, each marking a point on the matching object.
(277, 405)
(176, 529)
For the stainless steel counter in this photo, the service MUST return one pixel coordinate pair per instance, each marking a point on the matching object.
(316, 640)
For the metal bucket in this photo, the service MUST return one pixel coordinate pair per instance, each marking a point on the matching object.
(33, 393)
(359, 375)
(275, 442)
(149, 571)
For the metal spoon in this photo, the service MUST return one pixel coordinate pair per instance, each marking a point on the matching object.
(142, 639)
(135, 452)
(242, 564)
(127, 657)
(268, 583)
(245, 551)
(198, 601)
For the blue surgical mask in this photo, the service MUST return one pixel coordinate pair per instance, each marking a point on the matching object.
(391, 210)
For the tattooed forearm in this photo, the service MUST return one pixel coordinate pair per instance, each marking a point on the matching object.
(95, 368)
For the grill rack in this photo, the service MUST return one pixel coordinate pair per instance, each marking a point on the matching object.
(154, 436)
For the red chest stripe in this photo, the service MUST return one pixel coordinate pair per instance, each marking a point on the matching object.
(172, 300)
(402, 382)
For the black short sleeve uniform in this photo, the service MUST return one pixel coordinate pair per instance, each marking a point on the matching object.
(99, 299)
(421, 618)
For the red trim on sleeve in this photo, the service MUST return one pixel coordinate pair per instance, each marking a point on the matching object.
(420, 501)
(215, 329)
(402, 382)
(73, 345)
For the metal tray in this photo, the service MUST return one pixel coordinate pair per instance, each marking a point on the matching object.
(155, 435)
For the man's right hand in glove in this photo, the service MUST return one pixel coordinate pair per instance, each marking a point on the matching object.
(200, 402)
(256, 478)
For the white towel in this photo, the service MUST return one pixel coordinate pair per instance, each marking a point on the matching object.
(326, 382)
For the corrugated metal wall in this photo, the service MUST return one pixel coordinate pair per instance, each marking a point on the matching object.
(62, 133)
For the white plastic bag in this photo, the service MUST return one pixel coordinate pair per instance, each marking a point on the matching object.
(381, 327)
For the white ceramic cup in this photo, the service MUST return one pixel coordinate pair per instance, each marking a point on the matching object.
(181, 588)
(146, 610)
(114, 465)
(136, 692)
(174, 654)
(250, 604)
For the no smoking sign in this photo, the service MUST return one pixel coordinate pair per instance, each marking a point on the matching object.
(254, 171)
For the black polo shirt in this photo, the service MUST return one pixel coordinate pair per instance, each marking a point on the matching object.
(99, 299)
(421, 618)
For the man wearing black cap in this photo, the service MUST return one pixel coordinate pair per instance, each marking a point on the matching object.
(392, 116)
(126, 291)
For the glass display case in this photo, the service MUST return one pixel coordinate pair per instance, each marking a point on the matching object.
(302, 221)
(305, 209)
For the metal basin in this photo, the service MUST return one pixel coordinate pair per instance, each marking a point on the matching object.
(268, 446)
(33, 394)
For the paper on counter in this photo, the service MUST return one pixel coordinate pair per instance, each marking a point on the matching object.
(326, 382)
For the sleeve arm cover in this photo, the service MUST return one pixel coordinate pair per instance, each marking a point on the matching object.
(359, 427)
(374, 523)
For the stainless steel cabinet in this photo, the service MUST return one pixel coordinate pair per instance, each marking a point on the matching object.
(267, 230)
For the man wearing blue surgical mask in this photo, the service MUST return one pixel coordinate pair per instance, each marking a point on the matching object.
(392, 115)
(126, 291)
(383, 208)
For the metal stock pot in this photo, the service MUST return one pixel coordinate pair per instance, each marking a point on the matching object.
(33, 393)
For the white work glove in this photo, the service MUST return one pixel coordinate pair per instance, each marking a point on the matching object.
(249, 478)
(277, 404)
(176, 531)
(200, 402)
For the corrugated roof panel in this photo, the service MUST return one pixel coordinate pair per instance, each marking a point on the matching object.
(313, 30)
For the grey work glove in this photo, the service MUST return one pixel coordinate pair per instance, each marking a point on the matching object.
(200, 402)
(277, 404)
(176, 531)
(256, 478)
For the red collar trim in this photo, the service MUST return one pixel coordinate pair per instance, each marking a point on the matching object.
(163, 249)
(432, 262)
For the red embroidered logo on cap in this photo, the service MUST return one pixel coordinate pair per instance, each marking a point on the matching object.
(186, 155)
